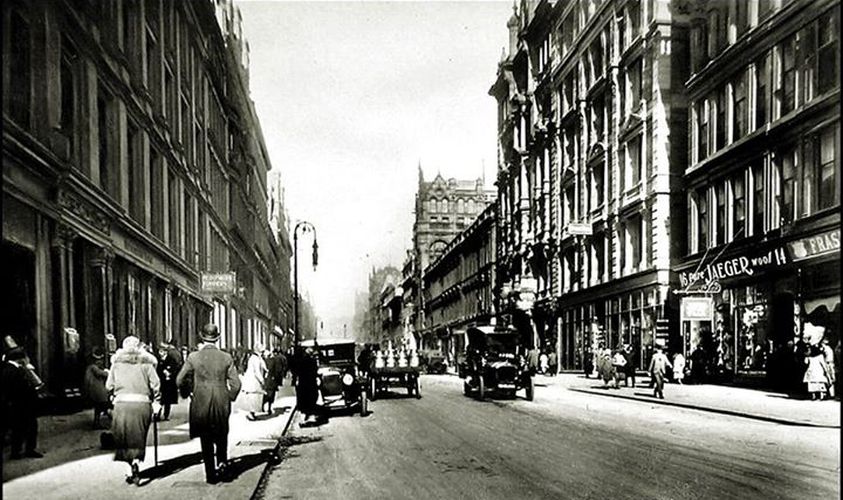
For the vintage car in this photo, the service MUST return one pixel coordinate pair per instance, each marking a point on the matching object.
(495, 362)
(433, 361)
(341, 384)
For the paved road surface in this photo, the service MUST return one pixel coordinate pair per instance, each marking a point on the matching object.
(563, 445)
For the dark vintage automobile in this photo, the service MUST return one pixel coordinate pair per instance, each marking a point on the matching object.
(341, 384)
(495, 362)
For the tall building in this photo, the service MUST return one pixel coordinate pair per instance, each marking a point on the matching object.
(133, 163)
(459, 287)
(763, 181)
(443, 209)
(592, 115)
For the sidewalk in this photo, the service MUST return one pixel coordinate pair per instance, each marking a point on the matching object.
(737, 401)
(74, 466)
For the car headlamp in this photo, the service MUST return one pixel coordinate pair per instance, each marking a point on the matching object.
(348, 379)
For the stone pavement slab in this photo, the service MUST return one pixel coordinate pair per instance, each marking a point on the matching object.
(74, 466)
(737, 401)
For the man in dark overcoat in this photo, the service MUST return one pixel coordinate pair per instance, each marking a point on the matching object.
(19, 402)
(215, 385)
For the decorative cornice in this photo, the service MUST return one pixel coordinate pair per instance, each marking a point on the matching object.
(84, 210)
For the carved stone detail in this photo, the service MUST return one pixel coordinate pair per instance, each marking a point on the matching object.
(84, 210)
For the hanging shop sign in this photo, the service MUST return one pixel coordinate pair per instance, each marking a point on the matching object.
(696, 308)
(708, 279)
(814, 246)
(578, 229)
(219, 282)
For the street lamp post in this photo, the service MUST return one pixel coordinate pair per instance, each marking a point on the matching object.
(305, 226)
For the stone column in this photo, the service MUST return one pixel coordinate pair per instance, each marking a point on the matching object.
(101, 262)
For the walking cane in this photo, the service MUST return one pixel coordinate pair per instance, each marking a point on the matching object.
(155, 437)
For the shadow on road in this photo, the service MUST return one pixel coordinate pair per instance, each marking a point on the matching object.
(276, 412)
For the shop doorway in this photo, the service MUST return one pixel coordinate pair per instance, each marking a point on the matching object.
(18, 277)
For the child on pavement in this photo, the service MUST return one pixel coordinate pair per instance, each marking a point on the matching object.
(658, 367)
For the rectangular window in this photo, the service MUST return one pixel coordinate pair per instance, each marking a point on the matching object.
(740, 110)
(135, 172)
(599, 185)
(828, 194)
(702, 133)
(19, 70)
(569, 204)
(633, 86)
(787, 178)
(720, 215)
(153, 70)
(702, 219)
(174, 203)
(189, 231)
(762, 85)
(720, 123)
(156, 193)
(829, 52)
(808, 62)
(739, 206)
(788, 84)
(635, 242)
(758, 204)
(109, 169)
(599, 264)
(67, 87)
(634, 161)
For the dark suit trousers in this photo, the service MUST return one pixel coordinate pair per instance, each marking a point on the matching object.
(213, 447)
(23, 427)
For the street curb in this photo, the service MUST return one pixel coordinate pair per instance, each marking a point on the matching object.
(261, 485)
(733, 413)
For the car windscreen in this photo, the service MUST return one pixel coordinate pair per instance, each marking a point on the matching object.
(501, 344)
(333, 354)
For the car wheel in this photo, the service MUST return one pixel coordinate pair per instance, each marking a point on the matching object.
(364, 404)
(530, 389)
(466, 389)
(373, 389)
(418, 388)
(481, 387)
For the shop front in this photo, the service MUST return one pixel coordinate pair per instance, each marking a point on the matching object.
(611, 321)
(743, 315)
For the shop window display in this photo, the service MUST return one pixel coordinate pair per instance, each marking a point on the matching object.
(753, 347)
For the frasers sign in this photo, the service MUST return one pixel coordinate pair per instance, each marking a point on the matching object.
(737, 266)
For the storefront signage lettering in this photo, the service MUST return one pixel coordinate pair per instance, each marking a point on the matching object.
(738, 266)
(815, 245)
(699, 308)
(219, 282)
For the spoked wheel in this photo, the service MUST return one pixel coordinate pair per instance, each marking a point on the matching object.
(530, 389)
(410, 386)
(418, 388)
(364, 404)
(373, 388)
(481, 388)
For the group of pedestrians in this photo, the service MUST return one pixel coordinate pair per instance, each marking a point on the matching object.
(614, 367)
(264, 374)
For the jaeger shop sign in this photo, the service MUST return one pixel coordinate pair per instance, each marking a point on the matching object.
(813, 246)
(730, 268)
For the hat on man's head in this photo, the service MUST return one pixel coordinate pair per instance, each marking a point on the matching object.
(210, 333)
(96, 353)
(11, 348)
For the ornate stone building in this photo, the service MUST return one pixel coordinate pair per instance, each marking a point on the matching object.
(459, 287)
(592, 141)
(133, 162)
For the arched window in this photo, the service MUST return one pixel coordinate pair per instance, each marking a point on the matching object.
(471, 206)
(443, 206)
(432, 207)
(460, 206)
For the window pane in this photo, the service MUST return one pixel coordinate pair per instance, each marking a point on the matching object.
(829, 190)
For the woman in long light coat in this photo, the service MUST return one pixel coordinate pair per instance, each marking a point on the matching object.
(134, 383)
(253, 382)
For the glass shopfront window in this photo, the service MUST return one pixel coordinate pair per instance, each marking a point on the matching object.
(752, 346)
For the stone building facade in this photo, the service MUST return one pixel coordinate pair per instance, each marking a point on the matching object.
(133, 163)
(459, 286)
(592, 141)
(763, 184)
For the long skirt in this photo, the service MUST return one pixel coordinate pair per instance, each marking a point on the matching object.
(130, 426)
(252, 401)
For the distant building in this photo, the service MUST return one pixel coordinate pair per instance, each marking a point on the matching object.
(377, 321)
(459, 286)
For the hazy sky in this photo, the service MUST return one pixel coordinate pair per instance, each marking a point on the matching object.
(351, 97)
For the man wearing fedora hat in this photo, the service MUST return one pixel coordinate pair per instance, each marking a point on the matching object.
(215, 386)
